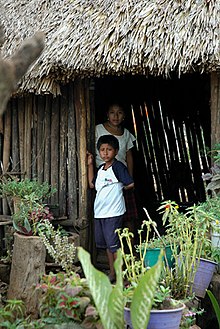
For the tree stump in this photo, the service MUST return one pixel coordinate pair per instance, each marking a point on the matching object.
(28, 264)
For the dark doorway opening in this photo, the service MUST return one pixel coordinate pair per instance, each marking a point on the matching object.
(172, 119)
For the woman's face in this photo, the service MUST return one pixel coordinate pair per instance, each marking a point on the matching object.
(115, 115)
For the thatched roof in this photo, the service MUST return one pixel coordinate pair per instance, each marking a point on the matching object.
(105, 37)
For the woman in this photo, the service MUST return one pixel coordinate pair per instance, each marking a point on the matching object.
(114, 126)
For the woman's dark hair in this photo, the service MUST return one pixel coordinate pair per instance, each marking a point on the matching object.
(108, 139)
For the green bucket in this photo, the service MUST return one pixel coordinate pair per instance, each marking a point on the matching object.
(152, 255)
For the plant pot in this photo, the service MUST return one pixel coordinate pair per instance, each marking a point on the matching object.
(152, 255)
(215, 234)
(166, 319)
(203, 277)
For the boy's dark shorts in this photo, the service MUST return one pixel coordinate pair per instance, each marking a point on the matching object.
(105, 236)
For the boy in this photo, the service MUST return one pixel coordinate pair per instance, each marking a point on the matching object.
(109, 206)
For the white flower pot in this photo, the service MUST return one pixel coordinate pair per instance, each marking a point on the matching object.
(215, 234)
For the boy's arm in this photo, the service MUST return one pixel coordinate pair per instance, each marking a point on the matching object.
(122, 174)
(128, 187)
(90, 169)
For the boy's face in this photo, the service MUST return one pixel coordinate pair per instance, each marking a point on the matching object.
(107, 153)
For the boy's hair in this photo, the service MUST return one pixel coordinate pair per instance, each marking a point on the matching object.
(108, 139)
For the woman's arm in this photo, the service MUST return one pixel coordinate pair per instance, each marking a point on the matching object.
(129, 160)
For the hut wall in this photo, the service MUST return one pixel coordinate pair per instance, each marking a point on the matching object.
(45, 138)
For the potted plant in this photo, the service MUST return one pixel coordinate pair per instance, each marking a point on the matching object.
(109, 299)
(154, 245)
(165, 309)
(28, 257)
(190, 231)
(25, 190)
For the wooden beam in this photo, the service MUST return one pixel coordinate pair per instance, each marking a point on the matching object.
(215, 108)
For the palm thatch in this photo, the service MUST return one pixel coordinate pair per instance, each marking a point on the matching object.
(113, 37)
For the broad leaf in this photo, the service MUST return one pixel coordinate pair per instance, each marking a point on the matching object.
(215, 305)
(116, 301)
(143, 296)
(100, 288)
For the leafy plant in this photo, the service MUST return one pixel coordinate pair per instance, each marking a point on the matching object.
(188, 232)
(65, 298)
(134, 262)
(57, 244)
(28, 197)
(109, 300)
(29, 215)
(26, 189)
(12, 313)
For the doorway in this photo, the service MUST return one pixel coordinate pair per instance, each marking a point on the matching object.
(170, 119)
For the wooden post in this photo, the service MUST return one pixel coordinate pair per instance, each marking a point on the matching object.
(28, 264)
(63, 153)
(72, 177)
(215, 108)
(81, 120)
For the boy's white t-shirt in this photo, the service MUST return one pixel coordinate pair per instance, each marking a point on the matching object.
(125, 143)
(109, 200)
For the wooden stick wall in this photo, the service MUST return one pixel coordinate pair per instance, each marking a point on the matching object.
(173, 154)
(46, 138)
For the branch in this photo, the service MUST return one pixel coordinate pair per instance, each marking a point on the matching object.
(13, 68)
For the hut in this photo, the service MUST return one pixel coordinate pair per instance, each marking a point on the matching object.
(161, 57)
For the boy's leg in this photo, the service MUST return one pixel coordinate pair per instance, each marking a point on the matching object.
(111, 259)
(112, 241)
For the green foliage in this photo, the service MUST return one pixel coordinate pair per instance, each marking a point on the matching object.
(66, 298)
(162, 294)
(143, 296)
(28, 208)
(28, 217)
(26, 189)
(134, 263)
(109, 300)
(215, 305)
(57, 244)
(188, 233)
(12, 314)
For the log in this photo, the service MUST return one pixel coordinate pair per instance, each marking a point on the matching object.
(28, 264)
(14, 67)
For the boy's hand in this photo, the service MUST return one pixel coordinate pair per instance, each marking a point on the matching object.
(90, 158)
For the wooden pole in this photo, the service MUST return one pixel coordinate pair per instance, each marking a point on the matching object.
(72, 167)
(81, 120)
(215, 108)
(63, 153)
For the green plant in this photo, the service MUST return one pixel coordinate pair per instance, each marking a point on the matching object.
(189, 316)
(157, 242)
(57, 244)
(12, 314)
(28, 197)
(215, 305)
(162, 297)
(188, 233)
(25, 189)
(134, 261)
(109, 300)
(28, 216)
(65, 298)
